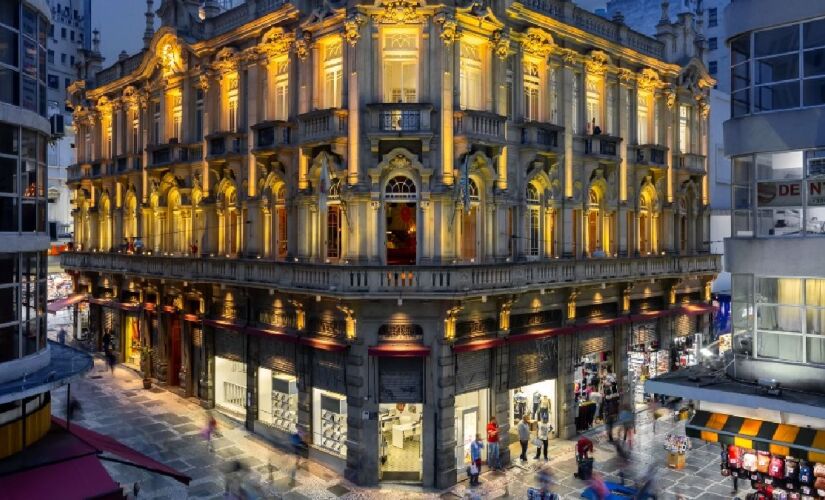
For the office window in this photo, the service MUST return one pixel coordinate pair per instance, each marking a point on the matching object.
(713, 67)
(54, 82)
(470, 84)
(51, 56)
(66, 82)
(713, 17)
(71, 35)
(63, 58)
(400, 66)
(332, 68)
(713, 43)
(63, 33)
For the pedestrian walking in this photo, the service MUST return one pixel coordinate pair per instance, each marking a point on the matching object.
(61, 335)
(492, 444)
(300, 448)
(73, 409)
(543, 434)
(475, 459)
(628, 419)
(209, 431)
(524, 436)
(106, 341)
(598, 487)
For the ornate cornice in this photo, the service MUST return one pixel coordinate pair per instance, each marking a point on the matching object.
(597, 62)
(648, 79)
(226, 60)
(399, 12)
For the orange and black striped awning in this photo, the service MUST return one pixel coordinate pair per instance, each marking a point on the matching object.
(779, 439)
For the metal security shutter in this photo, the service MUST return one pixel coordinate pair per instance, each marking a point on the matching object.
(645, 332)
(229, 344)
(472, 371)
(329, 371)
(533, 361)
(401, 380)
(278, 356)
(684, 325)
(594, 341)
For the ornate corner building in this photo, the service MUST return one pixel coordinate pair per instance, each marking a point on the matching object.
(384, 222)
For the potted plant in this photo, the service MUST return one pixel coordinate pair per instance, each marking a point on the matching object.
(146, 365)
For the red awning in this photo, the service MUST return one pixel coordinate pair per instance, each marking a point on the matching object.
(648, 315)
(169, 309)
(400, 351)
(192, 318)
(149, 306)
(540, 333)
(324, 345)
(694, 309)
(225, 324)
(602, 323)
(124, 454)
(274, 333)
(81, 477)
(478, 345)
(113, 304)
(60, 304)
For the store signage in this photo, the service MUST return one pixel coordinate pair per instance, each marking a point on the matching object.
(476, 328)
(327, 327)
(401, 331)
(276, 317)
(790, 194)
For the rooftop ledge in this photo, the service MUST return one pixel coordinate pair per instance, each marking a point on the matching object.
(66, 365)
(377, 281)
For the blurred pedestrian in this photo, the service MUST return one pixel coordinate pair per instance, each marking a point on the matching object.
(628, 419)
(543, 434)
(111, 360)
(300, 448)
(73, 409)
(623, 453)
(476, 448)
(61, 335)
(523, 436)
(106, 341)
(492, 444)
(209, 431)
(545, 489)
(598, 487)
(646, 485)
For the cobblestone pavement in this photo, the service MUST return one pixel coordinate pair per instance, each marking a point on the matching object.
(167, 427)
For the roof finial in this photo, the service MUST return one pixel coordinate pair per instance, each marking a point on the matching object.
(150, 24)
(665, 11)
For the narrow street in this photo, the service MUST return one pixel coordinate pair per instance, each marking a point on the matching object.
(168, 428)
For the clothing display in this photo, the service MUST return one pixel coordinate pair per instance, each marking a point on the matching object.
(682, 352)
(774, 476)
(643, 364)
(594, 380)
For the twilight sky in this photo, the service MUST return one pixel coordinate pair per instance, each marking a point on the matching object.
(121, 24)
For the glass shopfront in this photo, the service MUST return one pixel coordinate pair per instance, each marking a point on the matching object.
(400, 441)
(230, 387)
(329, 422)
(537, 401)
(278, 400)
(472, 412)
(594, 382)
(131, 344)
(644, 359)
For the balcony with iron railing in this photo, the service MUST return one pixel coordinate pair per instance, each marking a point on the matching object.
(692, 163)
(541, 136)
(602, 147)
(163, 155)
(394, 119)
(377, 281)
(272, 134)
(649, 155)
(322, 125)
(223, 144)
(479, 126)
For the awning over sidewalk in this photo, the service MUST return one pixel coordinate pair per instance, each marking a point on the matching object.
(122, 453)
(60, 304)
(81, 477)
(780, 439)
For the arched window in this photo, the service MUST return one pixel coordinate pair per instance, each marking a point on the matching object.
(334, 190)
(533, 220)
(470, 224)
(281, 221)
(473, 188)
(594, 224)
(334, 219)
(645, 226)
(400, 188)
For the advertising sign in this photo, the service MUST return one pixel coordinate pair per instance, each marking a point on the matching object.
(779, 194)
(816, 193)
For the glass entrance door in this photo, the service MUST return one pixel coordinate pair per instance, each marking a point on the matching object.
(400, 444)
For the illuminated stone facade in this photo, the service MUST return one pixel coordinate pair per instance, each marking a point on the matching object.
(356, 181)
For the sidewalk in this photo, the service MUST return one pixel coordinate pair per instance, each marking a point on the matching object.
(167, 427)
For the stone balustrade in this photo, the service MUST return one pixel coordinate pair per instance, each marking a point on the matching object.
(692, 163)
(375, 281)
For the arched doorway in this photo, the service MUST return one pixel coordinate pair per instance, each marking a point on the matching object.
(470, 224)
(400, 207)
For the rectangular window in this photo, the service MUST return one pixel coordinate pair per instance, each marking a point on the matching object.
(535, 234)
(684, 129)
(135, 134)
(713, 43)
(400, 66)
(713, 67)
(199, 115)
(470, 77)
(333, 231)
(54, 82)
(232, 112)
(642, 119)
(532, 84)
(177, 117)
(50, 56)
(713, 17)
(610, 102)
(593, 104)
(156, 123)
(333, 73)
(282, 90)
(63, 58)
(575, 105)
(63, 33)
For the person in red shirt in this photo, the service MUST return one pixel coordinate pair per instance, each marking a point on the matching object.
(492, 444)
(584, 447)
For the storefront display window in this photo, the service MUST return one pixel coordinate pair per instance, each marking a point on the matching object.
(400, 441)
(230, 386)
(278, 400)
(595, 382)
(329, 421)
(471, 417)
(645, 361)
(131, 332)
(683, 352)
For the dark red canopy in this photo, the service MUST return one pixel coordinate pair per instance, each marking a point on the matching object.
(81, 477)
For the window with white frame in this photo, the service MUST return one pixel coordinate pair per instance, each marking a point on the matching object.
(532, 86)
(657, 111)
(334, 219)
(156, 123)
(574, 108)
(684, 129)
(470, 77)
(332, 70)
(642, 118)
(232, 104)
(281, 89)
(135, 133)
(593, 103)
(533, 220)
(177, 117)
(199, 114)
(609, 106)
(400, 65)
(110, 124)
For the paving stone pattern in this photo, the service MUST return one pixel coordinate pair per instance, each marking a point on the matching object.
(168, 428)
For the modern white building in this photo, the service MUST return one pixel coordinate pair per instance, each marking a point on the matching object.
(69, 36)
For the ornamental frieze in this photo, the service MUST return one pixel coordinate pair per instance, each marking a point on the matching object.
(597, 63)
(401, 331)
(399, 12)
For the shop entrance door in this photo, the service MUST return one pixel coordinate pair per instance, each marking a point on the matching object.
(399, 441)
(174, 351)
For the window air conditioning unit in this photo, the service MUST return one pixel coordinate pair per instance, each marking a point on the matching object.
(58, 127)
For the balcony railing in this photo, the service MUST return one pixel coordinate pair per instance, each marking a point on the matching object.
(166, 154)
(390, 281)
(541, 135)
(692, 163)
(322, 125)
(399, 118)
(604, 146)
(650, 154)
(479, 125)
(226, 143)
(271, 134)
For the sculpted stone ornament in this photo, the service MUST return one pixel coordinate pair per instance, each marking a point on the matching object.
(276, 42)
(449, 29)
(569, 56)
(597, 63)
(226, 60)
(171, 59)
(670, 97)
(302, 45)
(352, 28)
(702, 105)
(399, 12)
(537, 42)
(625, 75)
(648, 79)
(501, 45)
(203, 81)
